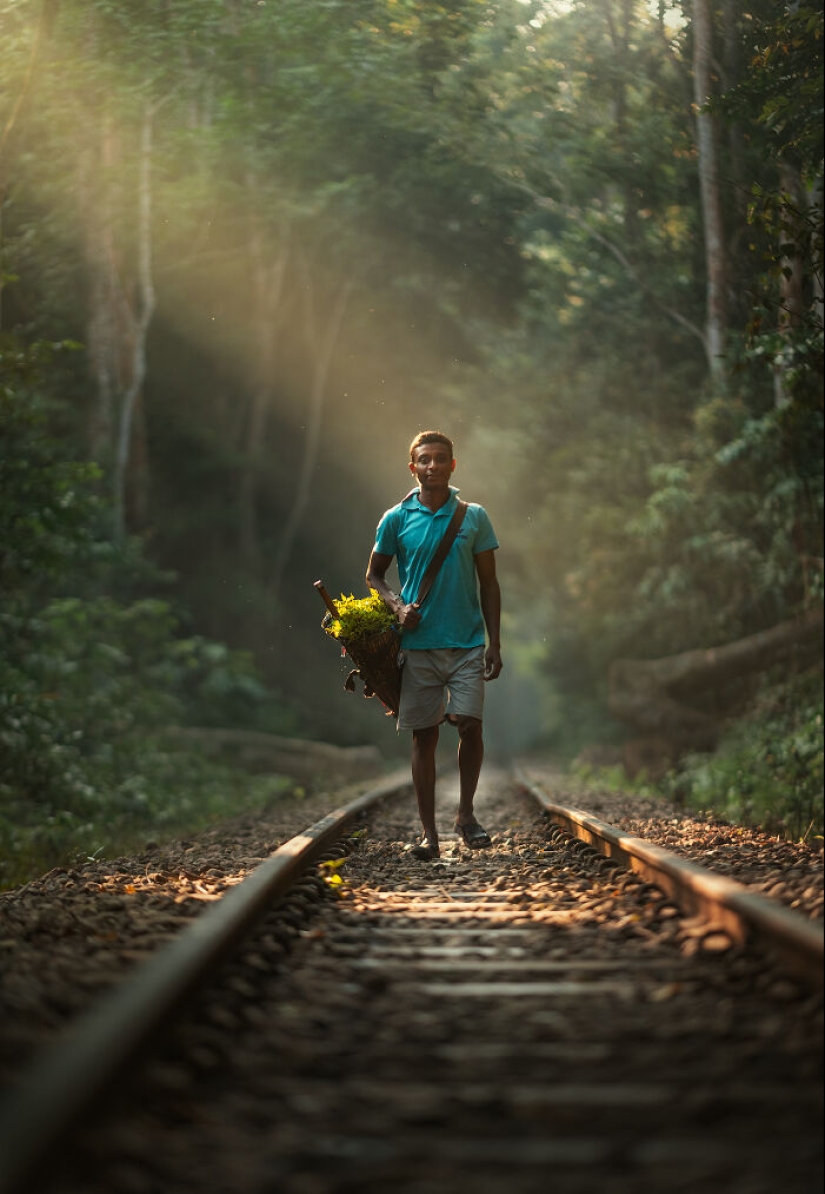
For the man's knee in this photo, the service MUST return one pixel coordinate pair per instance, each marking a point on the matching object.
(469, 728)
(426, 739)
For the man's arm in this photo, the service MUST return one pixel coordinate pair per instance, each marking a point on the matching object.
(408, 615)
(490, 595)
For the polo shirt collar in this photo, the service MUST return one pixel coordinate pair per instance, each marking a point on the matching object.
(411, 500)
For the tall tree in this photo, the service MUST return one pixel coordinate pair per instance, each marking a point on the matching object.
(716, 318)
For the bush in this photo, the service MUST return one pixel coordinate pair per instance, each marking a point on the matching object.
(87, 680)
(120, 802)
(768, 770)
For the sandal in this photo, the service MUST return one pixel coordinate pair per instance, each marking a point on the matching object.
(473, 835)
(425, 852)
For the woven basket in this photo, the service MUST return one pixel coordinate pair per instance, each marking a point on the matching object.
(376, 657)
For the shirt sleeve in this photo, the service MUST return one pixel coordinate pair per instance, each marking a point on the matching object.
(485, 537)
(386, 535)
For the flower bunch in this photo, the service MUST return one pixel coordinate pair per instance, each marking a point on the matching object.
(359, 617)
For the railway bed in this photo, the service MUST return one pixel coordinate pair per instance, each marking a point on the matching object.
(528, 1017)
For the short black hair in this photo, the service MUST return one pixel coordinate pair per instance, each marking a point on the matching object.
(431, 437)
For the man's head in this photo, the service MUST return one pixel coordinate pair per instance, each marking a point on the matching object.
(430, 437)
(431, 461)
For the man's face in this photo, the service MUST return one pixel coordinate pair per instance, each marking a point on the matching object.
(432, 465)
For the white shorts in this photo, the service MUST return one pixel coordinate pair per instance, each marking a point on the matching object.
(435, 683)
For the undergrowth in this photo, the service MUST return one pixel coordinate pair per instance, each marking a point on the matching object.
(164, 795)
(768, 768)
(767, 771)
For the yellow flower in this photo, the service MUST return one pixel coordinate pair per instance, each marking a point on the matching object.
(359, 617)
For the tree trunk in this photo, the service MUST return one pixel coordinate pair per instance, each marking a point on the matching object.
(45, 24)
(322, 360)
(731, 14)
(269, 287)
(792, 235)
(105, 303)
(301, 759)
(652, 695)
(716, 314)
(816, 202)
(138, 479)
(620, 36)
(736, 170)
(141, 321)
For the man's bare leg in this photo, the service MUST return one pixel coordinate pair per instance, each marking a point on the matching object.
(423, 775)
(470, 758)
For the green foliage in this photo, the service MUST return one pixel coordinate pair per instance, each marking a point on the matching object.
(216, 685)
(655, 513)
(88, 682)
(779, 98)
(782, 87)
(726, 538)
(768, 770)
(87, 688)
(359, 617)
(159, 794)
(511, 191)
(47, 501)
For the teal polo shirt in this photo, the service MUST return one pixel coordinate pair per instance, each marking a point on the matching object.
(451, 616)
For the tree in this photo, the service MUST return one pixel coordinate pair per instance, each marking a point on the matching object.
(715, 265)
(782, 89)
(360, 213)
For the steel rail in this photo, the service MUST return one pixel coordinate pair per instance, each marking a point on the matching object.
(745, 915)
(73, 1075)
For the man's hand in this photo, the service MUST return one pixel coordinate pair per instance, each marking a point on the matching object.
(492, 663)
(409, 616)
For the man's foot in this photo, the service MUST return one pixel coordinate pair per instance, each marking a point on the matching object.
(473, 835)
(426, 852)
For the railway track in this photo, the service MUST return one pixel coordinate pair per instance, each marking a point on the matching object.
(542, 1014)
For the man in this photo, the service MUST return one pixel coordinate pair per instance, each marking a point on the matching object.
(443, 640)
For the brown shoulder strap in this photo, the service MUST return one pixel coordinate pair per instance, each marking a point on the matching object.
(440, 553)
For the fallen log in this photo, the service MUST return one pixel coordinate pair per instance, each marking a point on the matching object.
(682, 698)
(298, 758)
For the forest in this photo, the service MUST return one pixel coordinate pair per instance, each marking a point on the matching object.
(248, 248)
